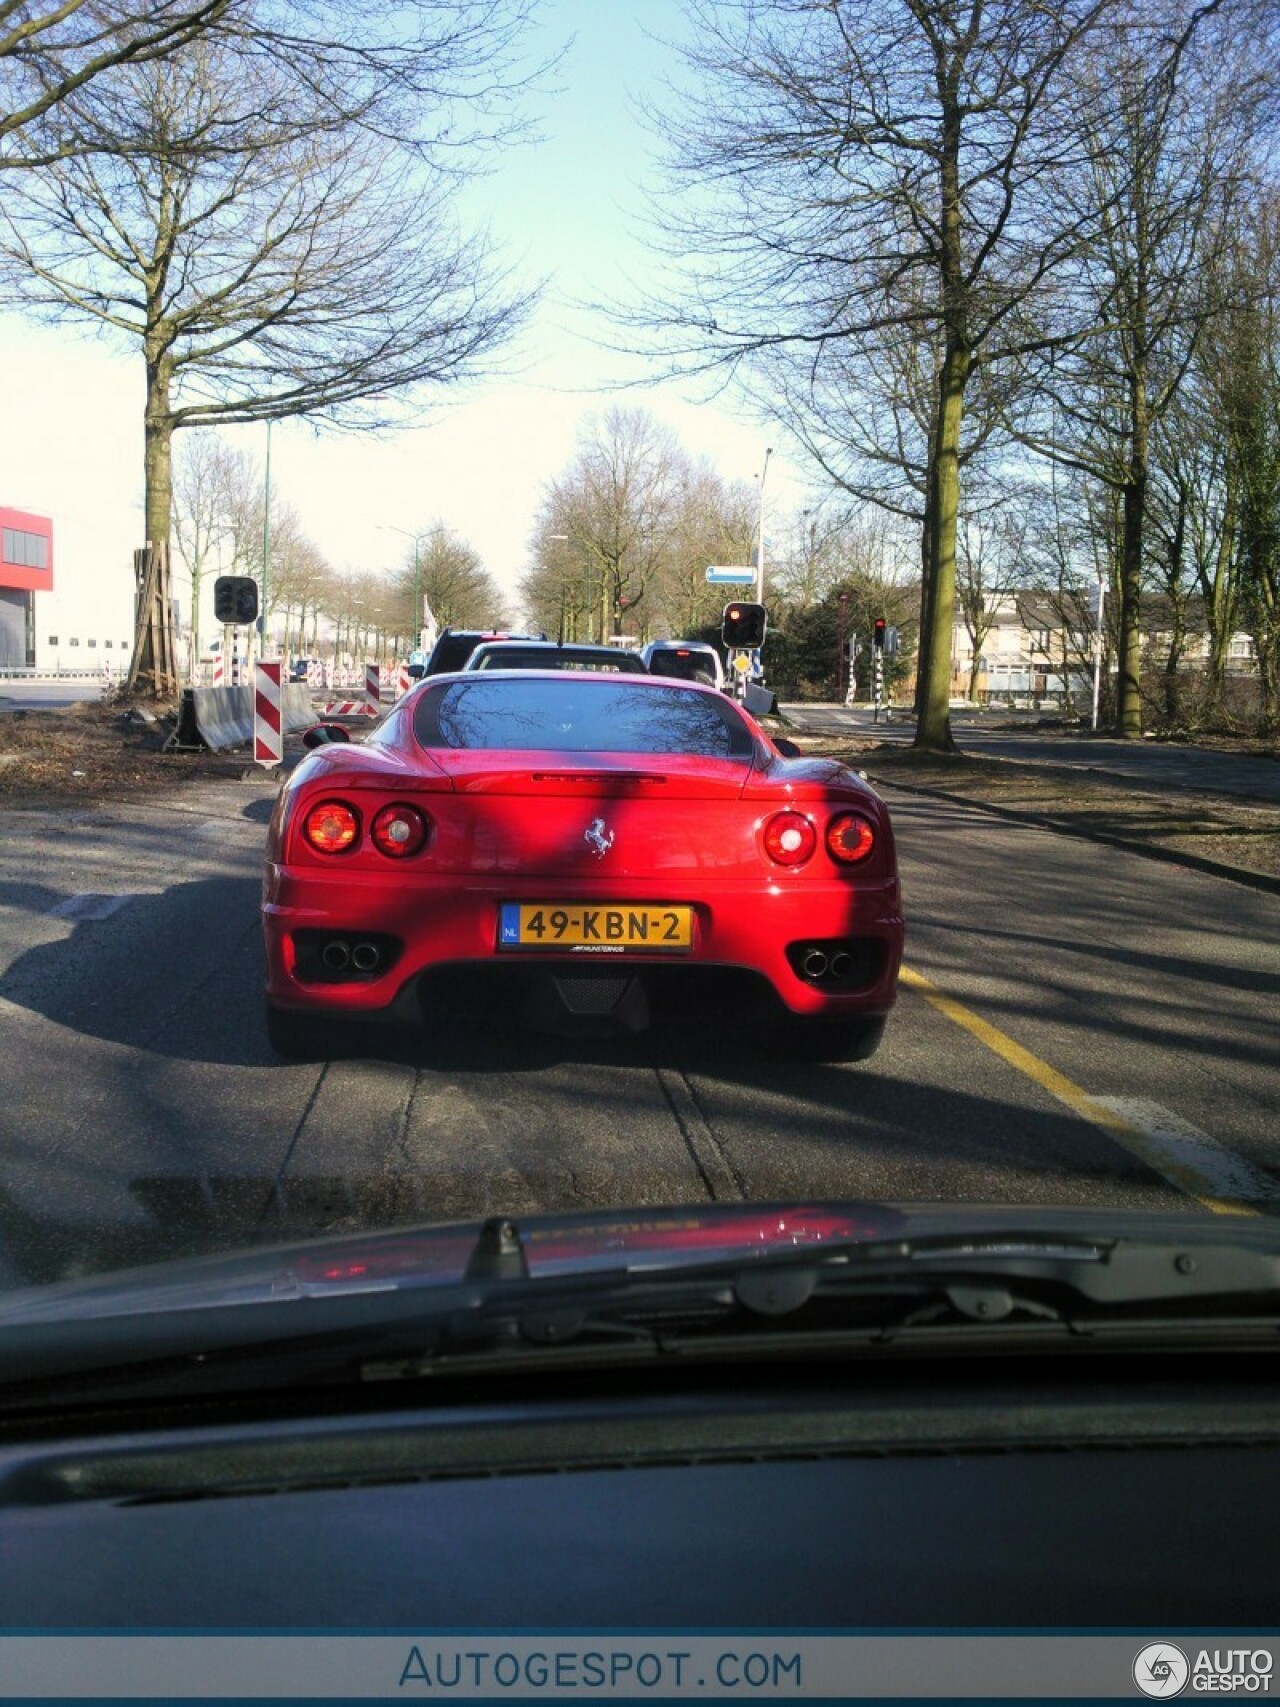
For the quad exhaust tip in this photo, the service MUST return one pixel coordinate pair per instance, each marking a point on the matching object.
(336, 956)
(365, 956)
(815, 963)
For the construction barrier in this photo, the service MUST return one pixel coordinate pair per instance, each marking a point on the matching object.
(404, 681)
(223, 718)
(373, 690)
(268, 720)
(350, 708)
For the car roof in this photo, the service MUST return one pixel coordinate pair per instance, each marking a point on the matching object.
(554, 648)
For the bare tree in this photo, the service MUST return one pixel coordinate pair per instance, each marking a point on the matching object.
(454, 582)
(278, 274)
(50, 53)
(1173, 109)
(604, 529)
(864, 183)
(199, 515)
(430, 76)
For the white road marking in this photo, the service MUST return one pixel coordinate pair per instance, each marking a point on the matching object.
(89, 908)
(1190, 1158)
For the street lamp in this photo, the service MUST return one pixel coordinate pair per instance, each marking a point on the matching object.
(760, 542)
(563, 539)
(417, 580)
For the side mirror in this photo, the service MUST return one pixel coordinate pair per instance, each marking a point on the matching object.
(417, 671)
(323, 733)
(788, 749)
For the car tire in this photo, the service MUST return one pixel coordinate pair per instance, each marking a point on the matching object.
(834, 1040)
(297, 1036)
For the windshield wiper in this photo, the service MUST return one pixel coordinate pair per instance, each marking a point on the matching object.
(877, 1292)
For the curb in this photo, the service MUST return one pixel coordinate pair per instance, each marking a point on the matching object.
(1260, 880)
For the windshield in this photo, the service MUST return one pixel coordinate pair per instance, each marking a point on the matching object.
(579, 717)
(899, 389)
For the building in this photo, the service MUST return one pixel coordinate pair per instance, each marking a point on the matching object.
(26, 568)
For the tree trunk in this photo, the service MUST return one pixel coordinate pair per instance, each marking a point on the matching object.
(933, 726)
(158, 451)
(1129, 706)
(928, 555)
(1129, 685)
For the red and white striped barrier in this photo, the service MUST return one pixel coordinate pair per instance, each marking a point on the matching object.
(403, 681)
(350, 708)
(268, 724)
(315, 673)
(218, 668)
(373, 690)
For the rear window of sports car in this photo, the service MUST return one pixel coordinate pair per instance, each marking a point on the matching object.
(541, 714)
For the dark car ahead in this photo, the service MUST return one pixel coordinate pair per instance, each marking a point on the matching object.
(454, 647)
(549, 655)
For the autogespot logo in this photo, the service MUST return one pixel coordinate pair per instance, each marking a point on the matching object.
(1161, 1670)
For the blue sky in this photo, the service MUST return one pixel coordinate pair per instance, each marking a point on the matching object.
(568, 206)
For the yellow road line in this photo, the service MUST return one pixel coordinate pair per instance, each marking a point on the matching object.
(1196, 1182)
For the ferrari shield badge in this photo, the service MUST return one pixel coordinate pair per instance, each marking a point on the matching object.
(598, 838)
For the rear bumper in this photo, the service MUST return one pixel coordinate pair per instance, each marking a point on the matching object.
(740, 925)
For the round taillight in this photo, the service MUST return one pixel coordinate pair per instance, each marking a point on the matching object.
(398, 831)
(789, 838)
(331, 827)
(850, 838)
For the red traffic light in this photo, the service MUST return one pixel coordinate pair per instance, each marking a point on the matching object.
(878, 631)
(743, 626)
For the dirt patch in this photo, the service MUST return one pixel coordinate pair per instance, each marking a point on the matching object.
(1229, 832)
(82, 751)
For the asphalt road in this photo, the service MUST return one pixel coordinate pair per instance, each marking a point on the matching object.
(1160, 764)
(1094, 1029)
(18, 693)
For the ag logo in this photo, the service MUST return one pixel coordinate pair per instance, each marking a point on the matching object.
(1161, 1670)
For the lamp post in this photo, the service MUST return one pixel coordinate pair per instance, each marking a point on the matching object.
(266, 544)
(563, 539)
(417, 580)
(760, 542)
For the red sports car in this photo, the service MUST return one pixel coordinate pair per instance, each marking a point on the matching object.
(580, 852)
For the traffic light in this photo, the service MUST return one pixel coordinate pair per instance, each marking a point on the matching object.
(742, 627)
(878, 633)
(235, 599)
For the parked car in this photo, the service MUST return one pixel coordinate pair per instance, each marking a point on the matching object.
(686, 660)
(585, 852)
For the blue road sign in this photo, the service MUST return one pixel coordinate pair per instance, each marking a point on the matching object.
(719, 575)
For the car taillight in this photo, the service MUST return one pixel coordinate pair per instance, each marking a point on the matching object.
(789, 838)
(331, 827)
(850, 838)
(398, 831)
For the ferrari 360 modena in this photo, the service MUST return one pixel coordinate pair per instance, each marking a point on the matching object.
(579, 853)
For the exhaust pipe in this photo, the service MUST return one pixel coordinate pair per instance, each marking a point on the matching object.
(365, 956)
(815, 963)
(841, 965)
(335, 956)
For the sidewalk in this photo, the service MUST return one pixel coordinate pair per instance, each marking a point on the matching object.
(1221, 834)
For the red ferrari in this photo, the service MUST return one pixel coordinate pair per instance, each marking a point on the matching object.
(580, 852)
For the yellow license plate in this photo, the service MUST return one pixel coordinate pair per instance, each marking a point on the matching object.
(594, 929)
